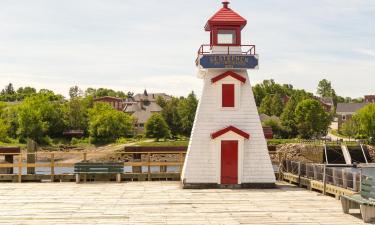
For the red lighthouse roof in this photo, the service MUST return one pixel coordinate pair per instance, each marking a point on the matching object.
(225, 17)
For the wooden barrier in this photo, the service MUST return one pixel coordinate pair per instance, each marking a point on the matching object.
(51, 161)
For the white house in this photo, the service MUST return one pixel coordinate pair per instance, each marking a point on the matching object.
(227, 146)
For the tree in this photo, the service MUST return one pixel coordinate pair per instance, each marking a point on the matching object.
(366, 120)
(161, 101)
(325, 88)
(24, 92)
(270, 87)
(288, 115)
(311, 119)
(272, 105)
(156, 127)
(171, 116)
(107, 124)
(76, 114)
(4, 126)
(38, 116)
(277, 128)
(265, 106)
(350, 128)
(187, 108)
(75, 92)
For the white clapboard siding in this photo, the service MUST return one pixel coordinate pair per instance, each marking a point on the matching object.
(201, 161)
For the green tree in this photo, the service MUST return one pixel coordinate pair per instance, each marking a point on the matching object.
(76, 113)
(172, 117)
(272, 105)
(156, 127)
(311, 119)
(75, 92)
(350, 128)
(277, 128)
(288, 115)
(161, 101)
(187, 108)
(24, 92)
(325, 88)
(265, 106)
(38, 116)
(366, 120)
(107, 124)
(4, 126)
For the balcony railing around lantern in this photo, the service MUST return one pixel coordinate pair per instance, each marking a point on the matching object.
(207, 49)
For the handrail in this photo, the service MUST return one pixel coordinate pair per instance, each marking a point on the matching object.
(325, 151)
(250, 51)
(52, 163)
(363, 152)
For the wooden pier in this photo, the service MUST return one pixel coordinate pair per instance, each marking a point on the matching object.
(164, 203)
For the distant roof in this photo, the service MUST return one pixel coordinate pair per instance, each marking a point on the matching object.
(141, 111)
(349, 107)
(326, 100)
(150, 96)
(225, 16)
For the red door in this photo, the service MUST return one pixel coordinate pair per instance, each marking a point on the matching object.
(229, 162)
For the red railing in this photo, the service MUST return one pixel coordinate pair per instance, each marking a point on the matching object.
(205, 49)
(245, 49)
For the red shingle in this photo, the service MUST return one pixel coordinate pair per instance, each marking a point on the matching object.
(225, 16)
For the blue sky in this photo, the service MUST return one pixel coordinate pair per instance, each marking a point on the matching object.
(132, 44)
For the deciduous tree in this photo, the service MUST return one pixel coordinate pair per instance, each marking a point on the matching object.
(311, 119)
(157, 128)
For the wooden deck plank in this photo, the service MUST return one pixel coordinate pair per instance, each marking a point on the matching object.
(164, 203)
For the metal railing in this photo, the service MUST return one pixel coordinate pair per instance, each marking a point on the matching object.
(340, 175)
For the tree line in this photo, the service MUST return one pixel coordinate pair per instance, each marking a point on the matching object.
(43, 115)
(294, 112)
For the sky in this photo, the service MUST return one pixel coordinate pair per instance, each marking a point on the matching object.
(132, 45)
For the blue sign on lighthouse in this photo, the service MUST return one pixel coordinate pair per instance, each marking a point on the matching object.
(219, 61)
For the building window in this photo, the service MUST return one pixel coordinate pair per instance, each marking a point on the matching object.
(226, 37)
(343, 117)
(228, 95)
(141, 125)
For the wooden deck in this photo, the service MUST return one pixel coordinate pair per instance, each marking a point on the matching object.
(163, 203)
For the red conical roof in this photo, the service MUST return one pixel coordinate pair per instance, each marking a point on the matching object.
(225, 16)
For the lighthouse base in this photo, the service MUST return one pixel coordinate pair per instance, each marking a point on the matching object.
(228, 186)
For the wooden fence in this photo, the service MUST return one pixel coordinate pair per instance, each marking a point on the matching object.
(52, 161)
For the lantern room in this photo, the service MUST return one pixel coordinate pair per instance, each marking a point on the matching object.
(225, 27)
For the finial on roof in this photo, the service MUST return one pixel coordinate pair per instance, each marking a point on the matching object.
(225, 4)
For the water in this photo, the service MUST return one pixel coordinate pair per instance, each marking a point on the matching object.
(70, 170)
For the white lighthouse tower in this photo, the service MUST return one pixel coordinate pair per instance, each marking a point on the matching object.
(227, 146)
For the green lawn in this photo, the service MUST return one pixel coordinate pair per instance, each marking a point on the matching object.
(178, 143)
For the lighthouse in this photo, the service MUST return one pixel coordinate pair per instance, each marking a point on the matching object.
(227, 148)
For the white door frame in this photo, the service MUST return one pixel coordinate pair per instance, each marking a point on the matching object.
(230, 136)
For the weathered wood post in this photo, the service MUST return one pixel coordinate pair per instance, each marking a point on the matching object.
(52, 167)
(299, 174)
(31, 155)
(148, 166)
(324, 180)
(20, 168)
(137, 158)
(85, 175)
(8, 159)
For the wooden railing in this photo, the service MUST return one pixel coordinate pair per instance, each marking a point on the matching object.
(53, 161)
